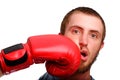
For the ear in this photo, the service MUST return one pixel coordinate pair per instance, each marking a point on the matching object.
(102, 45)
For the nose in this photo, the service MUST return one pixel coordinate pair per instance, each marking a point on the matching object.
(83, 41)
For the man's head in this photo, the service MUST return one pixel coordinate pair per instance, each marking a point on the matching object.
(87, 29)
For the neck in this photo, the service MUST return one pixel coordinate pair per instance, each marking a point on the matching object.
(79, 76)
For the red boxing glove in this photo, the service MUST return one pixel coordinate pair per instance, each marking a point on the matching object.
(62, 55)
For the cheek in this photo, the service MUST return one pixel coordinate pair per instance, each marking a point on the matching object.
(75, 39)
(94, 48)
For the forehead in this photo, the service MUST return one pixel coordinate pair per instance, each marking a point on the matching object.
(85, 21)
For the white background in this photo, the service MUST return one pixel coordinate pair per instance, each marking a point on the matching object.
(20, 19)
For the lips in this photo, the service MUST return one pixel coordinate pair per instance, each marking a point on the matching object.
(84, 55)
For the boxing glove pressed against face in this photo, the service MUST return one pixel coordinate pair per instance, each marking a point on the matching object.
(60, 54)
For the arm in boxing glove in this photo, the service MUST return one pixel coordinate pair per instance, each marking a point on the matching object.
(14, 58)
(62, 56)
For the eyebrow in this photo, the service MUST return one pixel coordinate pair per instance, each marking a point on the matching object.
(96, 31)
(76, 27)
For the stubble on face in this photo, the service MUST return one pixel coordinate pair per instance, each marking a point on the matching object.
(87, 67)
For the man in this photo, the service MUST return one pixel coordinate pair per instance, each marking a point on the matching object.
(68, 56)
(86, 28)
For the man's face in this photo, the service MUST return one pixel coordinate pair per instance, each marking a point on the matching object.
(86, 31)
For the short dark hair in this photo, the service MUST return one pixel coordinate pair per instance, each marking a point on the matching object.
(85, 10)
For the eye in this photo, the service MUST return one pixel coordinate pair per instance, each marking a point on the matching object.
(76, 31)
(93, 35)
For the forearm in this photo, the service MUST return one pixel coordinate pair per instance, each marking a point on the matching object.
(1, 73)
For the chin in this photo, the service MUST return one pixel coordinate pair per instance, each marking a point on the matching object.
(84, 67)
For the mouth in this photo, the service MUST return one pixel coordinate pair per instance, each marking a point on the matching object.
(84, 55)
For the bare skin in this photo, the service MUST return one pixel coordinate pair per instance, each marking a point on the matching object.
(1, 74)
(86, 31)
